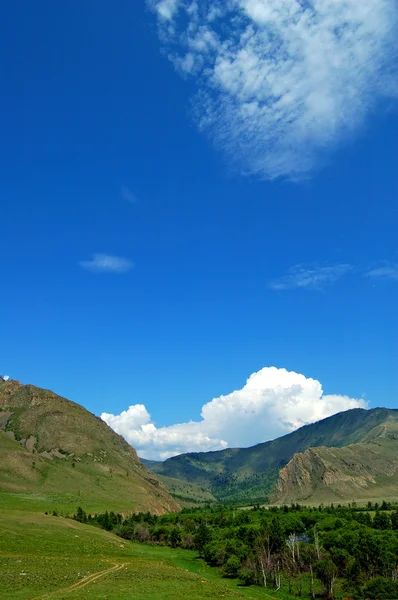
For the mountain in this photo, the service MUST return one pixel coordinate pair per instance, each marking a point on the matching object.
(187, 494)
(251, 473)
(364, 471)
(54, 452)
(356, 472)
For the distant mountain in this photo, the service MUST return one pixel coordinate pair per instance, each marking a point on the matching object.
(51, 447)
(251, 473)
(187, 494)
(357, 472)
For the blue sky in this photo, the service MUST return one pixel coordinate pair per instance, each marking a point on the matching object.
(180, 210)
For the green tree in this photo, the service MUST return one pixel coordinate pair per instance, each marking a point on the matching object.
(231, 567)
(276, 535)
(215, 553)
(247, 575)
(380, 588)
(394, 519)
(175, 538)
(81, 515)
(326, 571)
(202, 537)
(381, 521)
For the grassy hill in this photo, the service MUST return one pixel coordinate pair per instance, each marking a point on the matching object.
(54, 453)
(366, 471)
(251, 473)
(43, 557)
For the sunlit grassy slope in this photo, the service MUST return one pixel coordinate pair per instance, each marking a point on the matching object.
(50, 557)
(54, 453)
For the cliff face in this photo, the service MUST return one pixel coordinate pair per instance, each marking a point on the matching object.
(355, 472)
(74, 450)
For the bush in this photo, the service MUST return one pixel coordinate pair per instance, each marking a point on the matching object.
(231, 567)
(175, 538)
(141, 533)
(215, 553)
(188, 542)
(125, 531)
(247, 576)
(381, 589)
(381, 521)
(202, 537)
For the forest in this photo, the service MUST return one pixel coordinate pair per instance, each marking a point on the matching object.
(325, 551)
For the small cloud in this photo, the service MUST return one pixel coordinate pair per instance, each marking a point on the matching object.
(128, 195)
(314, 278)
(104, 263)
(166, 9)
(387, 272)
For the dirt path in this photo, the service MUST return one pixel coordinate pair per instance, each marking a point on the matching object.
(82, 583)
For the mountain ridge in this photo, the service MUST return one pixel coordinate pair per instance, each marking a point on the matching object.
(251, 473)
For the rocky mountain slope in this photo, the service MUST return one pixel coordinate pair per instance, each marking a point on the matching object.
(51, 446)
(251, 473)
(364, 471)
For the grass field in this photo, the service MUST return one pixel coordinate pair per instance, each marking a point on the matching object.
(44, 557)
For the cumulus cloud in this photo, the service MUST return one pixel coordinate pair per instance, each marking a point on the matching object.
(280, 83)
(104, 263)
(314, 278)
(273, 402)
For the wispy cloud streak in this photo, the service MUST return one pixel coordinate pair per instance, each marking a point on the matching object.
(104, 263)
(128, 195)
(313, 278)
(388, 272)
(280, 83)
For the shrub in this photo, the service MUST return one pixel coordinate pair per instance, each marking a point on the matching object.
(232, 567)
(380, 588)
(247, 576)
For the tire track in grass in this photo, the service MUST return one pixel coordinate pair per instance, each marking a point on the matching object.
(82, 583)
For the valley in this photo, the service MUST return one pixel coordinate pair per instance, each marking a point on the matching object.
(82, 517)
(251, 474)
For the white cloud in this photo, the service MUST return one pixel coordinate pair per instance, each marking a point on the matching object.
(128, 195)
(166, 9)
(271, 403)
(314, 278)
(104, 263)
(280, 83)
(388, 271)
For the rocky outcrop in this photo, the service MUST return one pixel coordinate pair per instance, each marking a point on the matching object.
(355, 472)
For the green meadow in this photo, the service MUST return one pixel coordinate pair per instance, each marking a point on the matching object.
(42, 557)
